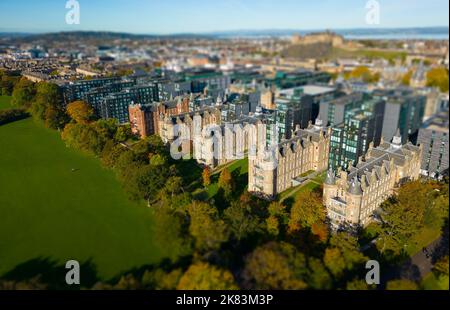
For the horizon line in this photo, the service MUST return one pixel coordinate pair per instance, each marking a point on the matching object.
(6, 31)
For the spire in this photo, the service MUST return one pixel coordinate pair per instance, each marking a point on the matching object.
(219, 101)
(355, 187)
(330, 179)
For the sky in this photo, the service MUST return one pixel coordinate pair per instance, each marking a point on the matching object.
(203, 16)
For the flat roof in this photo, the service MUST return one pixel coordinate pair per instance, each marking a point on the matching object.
(312, 90)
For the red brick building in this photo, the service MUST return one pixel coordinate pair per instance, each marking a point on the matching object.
(141, 120)
(144, 119)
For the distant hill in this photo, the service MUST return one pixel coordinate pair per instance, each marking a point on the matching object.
(97, 35)
(419, 32)
(307, 51)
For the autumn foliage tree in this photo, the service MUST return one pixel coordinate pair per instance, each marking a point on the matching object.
(275, 266)
(226, 182)
(306, 211)
(365, 74)
(206, 176)
(438, 77)
(80, 112)
(208, 230)
(343, 254)
(203, 276)
(405, 214)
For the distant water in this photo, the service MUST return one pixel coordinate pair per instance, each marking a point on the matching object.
(398, 36)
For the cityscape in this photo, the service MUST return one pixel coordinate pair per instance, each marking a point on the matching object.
(242, 156)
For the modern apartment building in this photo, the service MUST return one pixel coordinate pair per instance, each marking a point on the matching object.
(277, 168)
(351, 139)
(317, 94)
(434, 138)
(116, 105)
(333, 112)
(352, 196)
(405, 110)
(77, 90)
(285, 80)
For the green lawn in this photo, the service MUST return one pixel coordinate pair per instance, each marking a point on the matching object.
(424, 238)
(50, 214)
(239, 170)
(5, 102)
(289, 196)
(385, 54)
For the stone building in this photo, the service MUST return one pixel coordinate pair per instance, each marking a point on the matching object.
(180, 130)
(176, 106)
(351, 197)
(278, 168)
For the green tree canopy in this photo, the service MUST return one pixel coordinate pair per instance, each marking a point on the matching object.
(208, 230)
(203, 276)
(275, 266)
(438, 77)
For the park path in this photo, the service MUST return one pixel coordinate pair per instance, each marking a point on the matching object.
(415, 268)
(310, 178)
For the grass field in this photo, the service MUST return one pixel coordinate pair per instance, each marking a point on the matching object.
(424, 238)
(50, 214)
(5, 102)
(239, 171)
(384, 54)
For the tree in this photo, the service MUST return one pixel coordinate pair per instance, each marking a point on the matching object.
(171, 232)
(173, 186)
(441, 267)
(403, 216)
(275, 266)
(343, 254)
(241, 220)
(278, 210)
(23, 93)
(7, 83)
(47, 106)
(277, 218)
(83, 138)
(208, 230)
(365, 74)
(317, 276)
(203, 276)
(158, 160)
(401, 285)
(438, 77)
(406, 79)
(334, 261)
(206, 176)
(357, 285)
(143, 181)
(80, 112)
(226, 182)
(111, 153)
(128, 282)
(306, 211)
(123, 133)
(160, 280)
(273, 225)
(55, 117)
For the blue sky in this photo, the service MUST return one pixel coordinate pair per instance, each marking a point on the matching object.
(181, 16)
